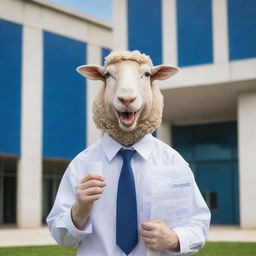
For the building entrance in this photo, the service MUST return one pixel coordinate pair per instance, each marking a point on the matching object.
(211, 151)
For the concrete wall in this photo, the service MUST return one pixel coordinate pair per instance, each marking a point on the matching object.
(247, 146)
(29, 194)
(164, 133)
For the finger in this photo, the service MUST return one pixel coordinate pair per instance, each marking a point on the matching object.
(146, 233)
(93, 198)
(148, 225)
(91, 177)
(147, 240)
(93, 191)
(156, 221)
(149, 245)
(92, 183)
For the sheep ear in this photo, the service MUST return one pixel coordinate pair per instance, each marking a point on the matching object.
(163, 72)
(92, 72)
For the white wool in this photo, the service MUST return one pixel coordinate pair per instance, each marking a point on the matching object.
(114, 57)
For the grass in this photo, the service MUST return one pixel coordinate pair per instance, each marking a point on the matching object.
(211, 249)
(50, 250)
(228, 249)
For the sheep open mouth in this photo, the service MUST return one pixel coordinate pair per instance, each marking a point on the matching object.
(127, 118)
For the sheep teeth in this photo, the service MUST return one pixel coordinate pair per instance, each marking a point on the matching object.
(127, 118)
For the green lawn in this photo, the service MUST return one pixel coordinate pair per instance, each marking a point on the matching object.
(37, 251)
(228, 249)
(211, 249)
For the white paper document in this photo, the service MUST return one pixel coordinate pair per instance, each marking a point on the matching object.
(170, 198)
(95, 167)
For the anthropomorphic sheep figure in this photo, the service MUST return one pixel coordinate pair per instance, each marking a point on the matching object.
(146, 200)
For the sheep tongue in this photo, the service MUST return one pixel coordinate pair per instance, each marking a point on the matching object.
(127, 118)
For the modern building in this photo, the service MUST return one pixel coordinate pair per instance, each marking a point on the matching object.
(44, 103)
(210, 106)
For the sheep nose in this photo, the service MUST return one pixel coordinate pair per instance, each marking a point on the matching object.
(127, 102)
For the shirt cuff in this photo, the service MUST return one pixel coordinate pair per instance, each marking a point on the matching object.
(183, 240)
(73, 230)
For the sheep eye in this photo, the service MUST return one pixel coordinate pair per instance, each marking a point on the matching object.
(107, 75)
(147, 74)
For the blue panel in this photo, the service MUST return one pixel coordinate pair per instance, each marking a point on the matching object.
(145, 28)
(194, 21)
(218, 177)
(212, 142)
(242, 32)
(183, 137)
(207, 142)
(10, 87)
(64, 97)
(236, 193)
(104, 52)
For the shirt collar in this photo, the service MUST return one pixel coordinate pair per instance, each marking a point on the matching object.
(111, 147)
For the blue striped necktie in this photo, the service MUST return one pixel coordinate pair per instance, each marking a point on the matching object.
(126, 208)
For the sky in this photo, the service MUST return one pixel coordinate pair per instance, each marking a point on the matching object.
(101, 9)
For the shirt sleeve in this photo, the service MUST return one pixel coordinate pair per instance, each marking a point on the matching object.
(193, 235)
(59, 219)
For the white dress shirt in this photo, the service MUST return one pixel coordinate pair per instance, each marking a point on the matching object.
(98, 238)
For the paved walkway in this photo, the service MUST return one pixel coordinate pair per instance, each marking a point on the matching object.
(20, 237)
(231, 234)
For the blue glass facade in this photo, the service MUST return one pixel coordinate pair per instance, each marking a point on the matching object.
(104, 52)
(64, 112)
(10, 87)
(145, 28)
(194, 32)
(242, 32)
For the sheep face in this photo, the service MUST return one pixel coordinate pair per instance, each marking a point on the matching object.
(128, 94)
(130, 104)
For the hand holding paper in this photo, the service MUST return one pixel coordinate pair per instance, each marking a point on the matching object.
(88, 190)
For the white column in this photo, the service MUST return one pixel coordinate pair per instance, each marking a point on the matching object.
(220, 31)
(164, 133)
(169, 34)
(94, 57)
(29, 191)
(120, 25)
(247, 163)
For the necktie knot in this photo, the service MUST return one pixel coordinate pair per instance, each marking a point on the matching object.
(127, 154)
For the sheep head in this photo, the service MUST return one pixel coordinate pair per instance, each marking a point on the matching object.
(129, 105)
